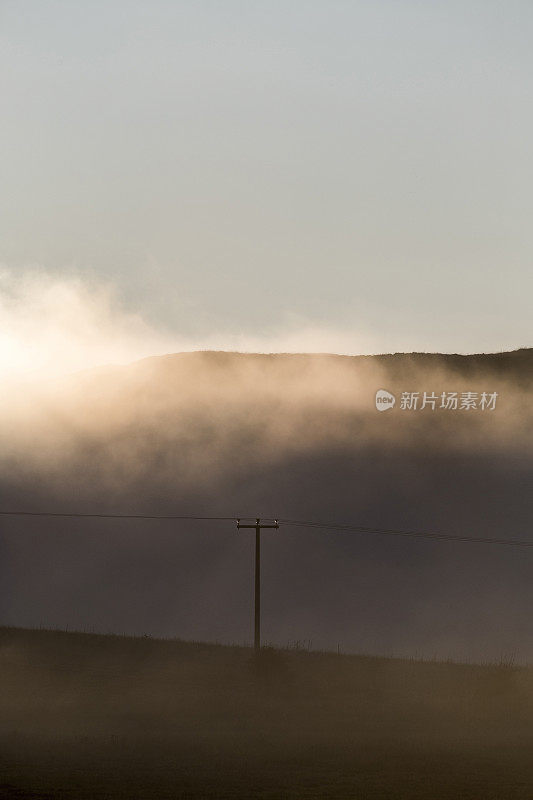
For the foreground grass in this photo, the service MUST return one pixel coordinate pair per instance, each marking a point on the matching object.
(87, 716)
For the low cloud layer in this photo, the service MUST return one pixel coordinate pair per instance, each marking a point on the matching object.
(294, 436)
(52, 323)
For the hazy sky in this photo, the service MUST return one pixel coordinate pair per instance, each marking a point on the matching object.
(351, 176)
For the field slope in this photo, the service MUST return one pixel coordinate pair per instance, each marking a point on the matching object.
(92, 716)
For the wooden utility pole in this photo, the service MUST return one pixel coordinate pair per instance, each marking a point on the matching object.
(257, 616)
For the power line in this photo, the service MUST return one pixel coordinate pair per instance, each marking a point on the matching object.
(109, 516)
(310, 524)
(347, 528)
(270, 522)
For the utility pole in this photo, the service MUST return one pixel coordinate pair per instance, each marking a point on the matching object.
(257, 616)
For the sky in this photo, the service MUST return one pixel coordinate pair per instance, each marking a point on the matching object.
(331, 176)
(335, 176)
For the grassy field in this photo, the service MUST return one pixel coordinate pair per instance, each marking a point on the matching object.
(90, 716)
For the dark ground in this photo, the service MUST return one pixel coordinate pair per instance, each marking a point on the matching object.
(89, 716)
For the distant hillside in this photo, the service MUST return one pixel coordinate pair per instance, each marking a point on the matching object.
(291, 436)
(85, 716)
(200, 406)
(516, 364)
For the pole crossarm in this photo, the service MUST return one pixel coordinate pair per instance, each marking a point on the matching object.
(257, 524)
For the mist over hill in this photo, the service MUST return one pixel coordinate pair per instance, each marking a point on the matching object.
(289, 436)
